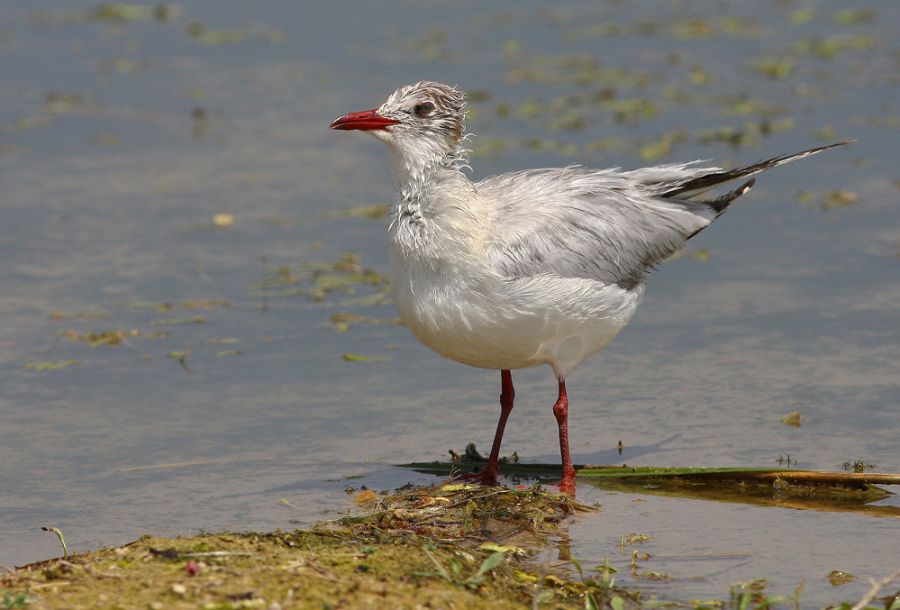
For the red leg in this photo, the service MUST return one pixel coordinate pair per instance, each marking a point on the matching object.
(561, 411)
(491, 471)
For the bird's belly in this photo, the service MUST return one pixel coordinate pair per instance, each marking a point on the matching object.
(460, 328)
(500, 323)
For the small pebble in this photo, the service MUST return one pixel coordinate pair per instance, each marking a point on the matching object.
(223, 220)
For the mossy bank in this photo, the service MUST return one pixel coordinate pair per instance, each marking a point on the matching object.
(455, 546)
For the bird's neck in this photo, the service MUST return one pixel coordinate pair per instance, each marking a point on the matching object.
(415, 170)
(433, 216)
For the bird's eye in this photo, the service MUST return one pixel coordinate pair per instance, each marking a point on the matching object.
(424, 109)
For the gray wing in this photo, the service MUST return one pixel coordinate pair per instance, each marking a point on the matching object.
(607, 225)
(604, 225)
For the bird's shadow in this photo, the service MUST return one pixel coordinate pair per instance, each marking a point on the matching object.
(612, 456)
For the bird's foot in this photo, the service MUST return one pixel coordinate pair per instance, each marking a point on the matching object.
(487, 477)
(566, 486)
(567, 483)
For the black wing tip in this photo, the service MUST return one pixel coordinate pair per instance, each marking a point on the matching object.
(710, 180)
(813, 151)
(787, 158)
(720, 204)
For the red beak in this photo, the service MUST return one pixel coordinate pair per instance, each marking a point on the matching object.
(367, 120)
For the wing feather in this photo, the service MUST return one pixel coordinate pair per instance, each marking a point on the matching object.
(577, 223)
(606, 225)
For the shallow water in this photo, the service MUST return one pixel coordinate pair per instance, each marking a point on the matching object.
(121, 140)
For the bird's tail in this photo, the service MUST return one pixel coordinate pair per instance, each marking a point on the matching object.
(700, 183)
(697, 185)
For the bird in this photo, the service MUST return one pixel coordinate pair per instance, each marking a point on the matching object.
(533, 267)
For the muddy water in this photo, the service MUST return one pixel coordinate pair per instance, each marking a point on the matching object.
(230, 401)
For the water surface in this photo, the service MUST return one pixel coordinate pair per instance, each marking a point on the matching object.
(122, 136)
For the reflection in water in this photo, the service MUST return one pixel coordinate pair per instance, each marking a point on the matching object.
(760, 497)
(775, 487)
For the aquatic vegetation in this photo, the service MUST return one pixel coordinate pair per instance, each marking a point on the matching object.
(343, 320)
(857, 466)
(802, 16)
(838, 578)
(780, 68)
(49, 365)
(94, 339)
(62, 539)
(114, 12)
(829, 200)
(372, 211)
(654, 151)
(177, 321)
(633, 538)
(855, 16)
(432, 45)
(828, 47)
(362, 358)
(168, 306)
(79, 315)
(793, 419)
(204, 36)
(783, 486)
(344, 275)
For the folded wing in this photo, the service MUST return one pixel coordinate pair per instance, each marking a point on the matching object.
(605, 225)
(576, 223)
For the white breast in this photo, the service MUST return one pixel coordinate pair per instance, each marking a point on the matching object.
(470, 314)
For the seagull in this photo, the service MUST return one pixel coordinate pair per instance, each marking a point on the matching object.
(542, 266)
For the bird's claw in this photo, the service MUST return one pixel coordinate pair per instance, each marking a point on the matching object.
(485, 477)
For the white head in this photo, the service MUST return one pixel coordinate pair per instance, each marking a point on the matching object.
(424, 124)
